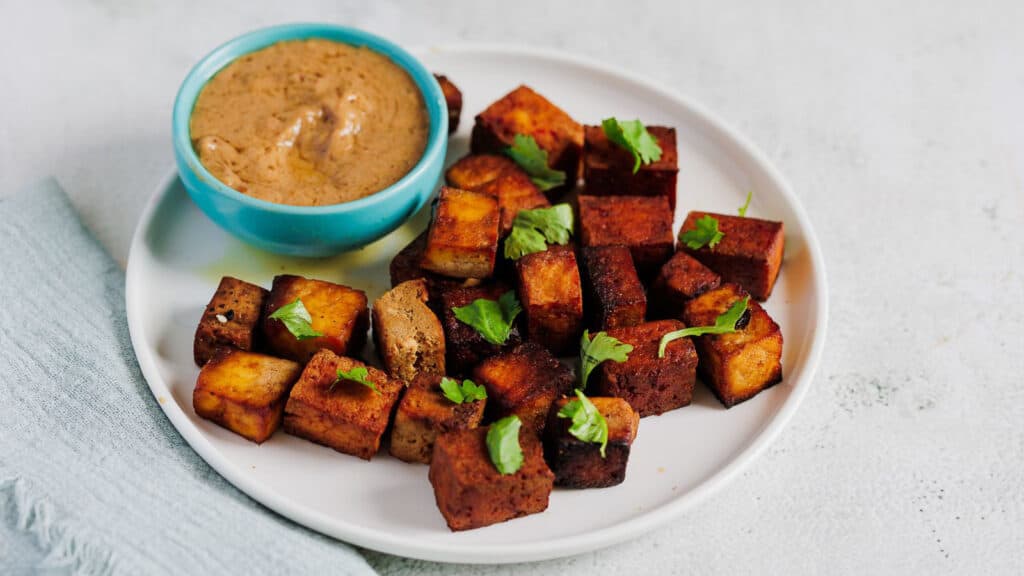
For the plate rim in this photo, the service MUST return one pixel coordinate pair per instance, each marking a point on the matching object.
(491, 553)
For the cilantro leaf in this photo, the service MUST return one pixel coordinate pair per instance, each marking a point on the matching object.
(357, 374)
(602, 347)
(533, 230)
(534, 161)
(725, 323)
(492, 319)
(743, 209)
(633, 137)
(706, 232)
(588, 424)
(503, 444)
(469, 391)
(296, 319)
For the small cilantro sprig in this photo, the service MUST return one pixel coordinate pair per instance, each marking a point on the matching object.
(588, 424)
(296, 319)
(743, 209)
(706, 232)
(594, 351)
(503, 444)
(525, 152)
(725, 323)
(492, 319)
(633, 137)
(468, 391)
(357, 374)
(533, 230)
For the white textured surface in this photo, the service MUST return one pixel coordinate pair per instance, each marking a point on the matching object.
(901, 127)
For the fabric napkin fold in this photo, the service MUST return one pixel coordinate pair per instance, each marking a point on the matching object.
(93, 477)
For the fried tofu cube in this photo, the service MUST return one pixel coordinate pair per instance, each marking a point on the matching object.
(501, 178)
(405, 266)
(679, 280)
(608, 168)
(347, 416)
(579, 464)
(523, 381)
(244, 392)
(453, 99)
(749, 254)
(615, 296)
(338, 312)
(650, 384)
(641, 223)
(463, 238)
(464, 346)
(423, 413)
(230, 319)
(408, 335)
(526, 112)
(469, 490)
(736, 366)
(552, 298)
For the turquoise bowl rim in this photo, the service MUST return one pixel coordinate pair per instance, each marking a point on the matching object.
(207, 68)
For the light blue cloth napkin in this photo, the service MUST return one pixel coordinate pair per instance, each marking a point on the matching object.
(93, 477)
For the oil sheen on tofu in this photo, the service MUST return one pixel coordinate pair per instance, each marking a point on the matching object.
(310, 123)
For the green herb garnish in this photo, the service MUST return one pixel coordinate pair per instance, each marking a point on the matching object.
(602, 347)
(492, 319)
(296, 319)
(706, 232)
(357, 374)
(469, 391)
(588, 424)
(633, 137)
(743, 209)
(724, 324)
(503, 444)
(534, 161)
(533, 230)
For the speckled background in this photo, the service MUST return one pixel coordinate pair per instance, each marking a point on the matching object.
(901, 128)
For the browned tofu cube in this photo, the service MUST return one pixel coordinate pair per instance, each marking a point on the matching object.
(341, 414)
(749, 254)
(230, 319)
(408, 335)
(650, 384)
(526, 112)
(615, 296)
(680, 279)
(463, 238)
(244, 392)
(501, 178)
(736, 366)
(338, 312)
(405, 266)
(464, 346)
(579, 464)
(423, 413)
(469, 490)
(552, 298)
(523, 381)
(608, 168)
(641, 223)
(453, 98)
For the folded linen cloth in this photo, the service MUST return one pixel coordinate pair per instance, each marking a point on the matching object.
(93, 477)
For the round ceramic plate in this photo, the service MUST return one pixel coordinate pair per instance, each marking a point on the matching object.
(178, 256)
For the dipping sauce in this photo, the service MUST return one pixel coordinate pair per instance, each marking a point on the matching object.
(310, 123)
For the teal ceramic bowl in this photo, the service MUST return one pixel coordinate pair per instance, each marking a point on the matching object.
(309, 230)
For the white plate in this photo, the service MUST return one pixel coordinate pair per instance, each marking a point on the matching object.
(177, 257)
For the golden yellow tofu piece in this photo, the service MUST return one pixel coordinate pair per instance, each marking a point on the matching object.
(523, 381)
(244, 392)
(341, 414)
(463, 238)
(230, 319)
(409, 337)
(423, 413)
(579, 464)
(501, 178)
(338, 312)
(552, 296)
(738, 365)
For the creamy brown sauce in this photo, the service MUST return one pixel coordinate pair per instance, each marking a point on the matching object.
(309, 123)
